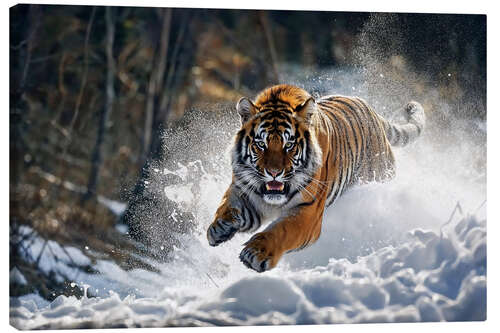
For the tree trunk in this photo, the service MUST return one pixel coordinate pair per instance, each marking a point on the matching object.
(155, 84)
(106, 110)
(264, 20)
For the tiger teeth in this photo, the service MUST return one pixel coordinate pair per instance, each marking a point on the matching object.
(282, 187)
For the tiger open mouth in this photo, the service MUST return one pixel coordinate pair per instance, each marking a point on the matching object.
(274, 187)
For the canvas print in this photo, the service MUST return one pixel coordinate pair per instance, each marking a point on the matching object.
(201, 167)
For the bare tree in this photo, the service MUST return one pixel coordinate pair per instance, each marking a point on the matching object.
(156, 82)
(106, 110)
(266, 25)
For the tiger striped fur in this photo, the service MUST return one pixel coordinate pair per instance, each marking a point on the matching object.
(293, 157)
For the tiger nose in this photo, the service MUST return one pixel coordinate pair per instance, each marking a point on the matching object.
(274, 172)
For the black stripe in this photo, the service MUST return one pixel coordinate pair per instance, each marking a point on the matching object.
(256, 218)
(291, 195)
(300, 144)
(274, 114)
(345, 168)
(306, 155)
(327, 165)
(304, 204)
(239, 144)
(338, 158)
(246, 154)
(372, 129)
(360, 124)
(376, 124)
(347, 116)
(248, 219)
(346, 143)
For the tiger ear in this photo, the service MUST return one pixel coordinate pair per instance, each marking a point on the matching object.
(306, 109)
(246, 109)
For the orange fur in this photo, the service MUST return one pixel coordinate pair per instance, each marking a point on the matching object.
(344, 133)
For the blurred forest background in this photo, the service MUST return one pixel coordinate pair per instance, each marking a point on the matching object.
(93, 88)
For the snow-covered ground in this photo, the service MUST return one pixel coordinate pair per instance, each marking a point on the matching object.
(429, 277)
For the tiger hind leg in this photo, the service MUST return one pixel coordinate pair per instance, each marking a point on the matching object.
(403, 134)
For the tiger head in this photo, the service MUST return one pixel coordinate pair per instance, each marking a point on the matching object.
(276, 152)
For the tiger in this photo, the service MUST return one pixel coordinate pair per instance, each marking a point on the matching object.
(294, 156)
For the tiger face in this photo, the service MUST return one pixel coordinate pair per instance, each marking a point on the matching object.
(276, 154)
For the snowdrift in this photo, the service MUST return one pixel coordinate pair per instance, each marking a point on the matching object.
(429, 277)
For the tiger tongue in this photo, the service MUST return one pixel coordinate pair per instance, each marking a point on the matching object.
(274, 186)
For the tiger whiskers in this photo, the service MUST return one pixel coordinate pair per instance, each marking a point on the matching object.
(301, 187)
(322, 184)
(247, 183)
(238, 166)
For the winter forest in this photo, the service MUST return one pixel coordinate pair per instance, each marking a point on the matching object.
(121, 119)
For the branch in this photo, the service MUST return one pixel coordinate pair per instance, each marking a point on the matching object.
(85, 70)
(68, 133)
(167, 89)
(29, 44)
(164, 43)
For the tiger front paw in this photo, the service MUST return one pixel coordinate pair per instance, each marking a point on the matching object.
(258, 254)
(221, 231)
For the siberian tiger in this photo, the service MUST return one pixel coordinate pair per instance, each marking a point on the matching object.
(294, 156)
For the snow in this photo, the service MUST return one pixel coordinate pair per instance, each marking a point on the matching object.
(116, 207)
(181, 194)
(429, 277)
(15, 276)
